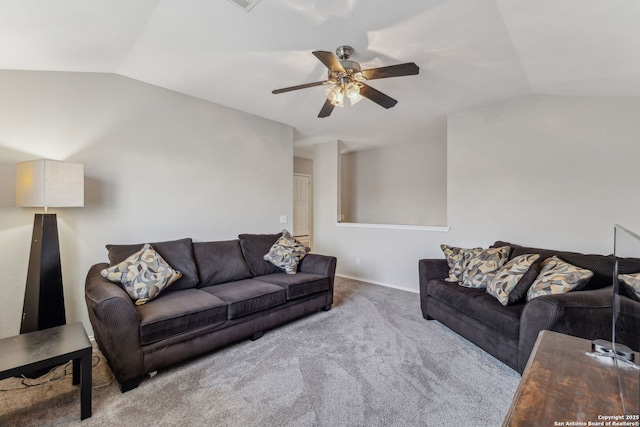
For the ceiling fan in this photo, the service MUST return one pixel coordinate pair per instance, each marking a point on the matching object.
(346, 78)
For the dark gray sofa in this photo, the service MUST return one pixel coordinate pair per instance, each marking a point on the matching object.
(509, 332)
(227, 293)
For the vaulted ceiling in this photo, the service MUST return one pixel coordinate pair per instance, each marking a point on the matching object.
(470, 53)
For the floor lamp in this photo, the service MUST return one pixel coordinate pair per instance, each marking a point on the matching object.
(46, 183)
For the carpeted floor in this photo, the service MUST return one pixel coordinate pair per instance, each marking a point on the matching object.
(370, 361)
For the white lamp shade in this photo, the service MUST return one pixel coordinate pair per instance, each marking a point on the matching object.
(49, 183)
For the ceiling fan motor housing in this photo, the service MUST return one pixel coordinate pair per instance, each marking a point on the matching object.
(350, 66)
(352, 71)
(344, 52)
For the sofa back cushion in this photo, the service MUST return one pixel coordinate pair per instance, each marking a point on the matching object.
(220, 262)
(601, 265)
(177, 253)
(254, 248)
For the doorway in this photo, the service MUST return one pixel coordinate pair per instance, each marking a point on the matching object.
(302, 209)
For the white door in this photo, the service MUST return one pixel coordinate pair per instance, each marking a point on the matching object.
(301, 205)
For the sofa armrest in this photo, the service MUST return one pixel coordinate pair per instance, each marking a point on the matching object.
(116, 325)
(433, 269)
(628, 323)
(584, 314)
(429, 269)
(323, 265)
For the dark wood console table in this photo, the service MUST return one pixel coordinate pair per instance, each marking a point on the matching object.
(47, 348)
(562, 386)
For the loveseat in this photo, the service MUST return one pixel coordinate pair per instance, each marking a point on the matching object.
(227, 292)
(509, 332)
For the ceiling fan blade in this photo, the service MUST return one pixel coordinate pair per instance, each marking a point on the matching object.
(326, 110)
(376, 96)
(407, 69)
(329, 60)
(304, 86)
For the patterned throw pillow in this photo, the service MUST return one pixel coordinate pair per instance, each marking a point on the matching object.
(557, 277)
(482, 265)
(286, 253)
(143, 275)
(632, 284)
(511, 283)
(456, 258)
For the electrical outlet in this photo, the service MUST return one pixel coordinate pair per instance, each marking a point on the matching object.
(357, 261)
(283, 219)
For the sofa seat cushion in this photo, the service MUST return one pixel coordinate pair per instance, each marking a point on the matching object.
(479, 305)
(299, 284)
(248, 296)
(176, 313)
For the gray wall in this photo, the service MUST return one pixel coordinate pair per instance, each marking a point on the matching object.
(547, 171)
(551, 171)
(158, 166)
(397, 184)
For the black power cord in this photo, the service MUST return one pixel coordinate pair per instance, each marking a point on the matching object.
(56, 374)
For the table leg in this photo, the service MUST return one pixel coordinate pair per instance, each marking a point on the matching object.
(76, 371)
(85, 386)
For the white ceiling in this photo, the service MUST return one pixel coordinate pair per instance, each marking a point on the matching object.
(470, 53)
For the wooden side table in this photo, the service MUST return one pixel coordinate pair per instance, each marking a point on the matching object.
(47, 348)
(563, 386)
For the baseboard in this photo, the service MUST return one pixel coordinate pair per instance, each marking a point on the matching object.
(375, 282)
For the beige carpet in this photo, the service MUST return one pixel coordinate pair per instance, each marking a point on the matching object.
(370, 361)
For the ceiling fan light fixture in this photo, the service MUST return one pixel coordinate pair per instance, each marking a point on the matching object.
(355, 99)
(335, 94)
(352, 91)
(345, 78)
